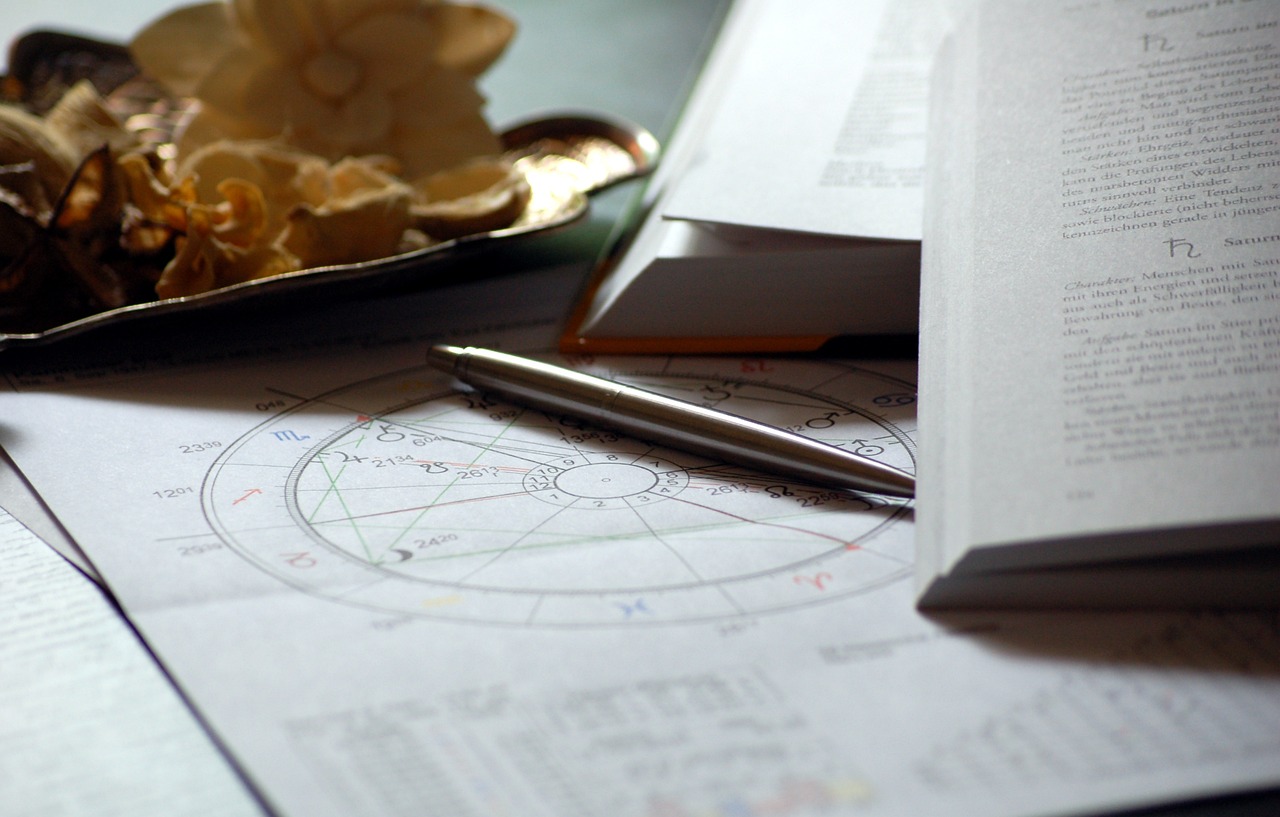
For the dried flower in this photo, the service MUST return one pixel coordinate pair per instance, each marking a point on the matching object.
(334, 77)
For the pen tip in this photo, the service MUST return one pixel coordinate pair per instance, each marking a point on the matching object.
(445, 357)
(899, 484)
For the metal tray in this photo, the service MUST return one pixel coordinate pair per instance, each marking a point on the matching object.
(565, 159)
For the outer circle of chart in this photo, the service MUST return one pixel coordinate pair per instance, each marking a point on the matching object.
(401, 495)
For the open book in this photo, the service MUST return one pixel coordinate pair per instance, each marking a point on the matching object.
(787, 208)
(1100, 331)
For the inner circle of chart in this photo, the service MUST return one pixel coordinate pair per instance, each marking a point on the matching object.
(609, 479)
(401, 494)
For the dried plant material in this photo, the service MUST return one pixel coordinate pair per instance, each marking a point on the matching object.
(23, 190)
(25, 138)
(192, 269)
(91, 201)
(18, 232)
(475, 198)
(67, 263)
(286, 176)
(222, 233)
(364, 225)
(155, 211)
(32, 279)
(204, 261)
(334, 77)
(354, 175)
(82, 120)
(241, 218)
(85, 225)
(283, 209)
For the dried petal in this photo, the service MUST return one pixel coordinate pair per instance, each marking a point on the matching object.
(472, 37)
(285, 176)
(22, 189)
(157, 202)
(367, 226)
(81, 118)
(241, 218)
(355, 175)
(85, 226)
(192, 269)
(163, 49)
(25, 138)
(476, 198)
(395, 48)
(338, 78)
(91, 200)
(286, 29)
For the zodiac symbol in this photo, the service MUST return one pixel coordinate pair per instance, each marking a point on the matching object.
(817, 580)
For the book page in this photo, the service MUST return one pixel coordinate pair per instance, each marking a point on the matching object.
(1104, 347)
(820, 127)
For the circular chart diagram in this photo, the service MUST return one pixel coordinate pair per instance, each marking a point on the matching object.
(403, 494)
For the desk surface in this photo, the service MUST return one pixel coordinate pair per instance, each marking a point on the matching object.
(627, 57)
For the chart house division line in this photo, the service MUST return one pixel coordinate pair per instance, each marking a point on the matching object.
(402, 494)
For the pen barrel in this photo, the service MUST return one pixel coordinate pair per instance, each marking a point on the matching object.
(541, 385)
(729, 437)
(678, 424)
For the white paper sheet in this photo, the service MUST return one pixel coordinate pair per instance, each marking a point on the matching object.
(25, 505)
(88, 723)
(388, 600)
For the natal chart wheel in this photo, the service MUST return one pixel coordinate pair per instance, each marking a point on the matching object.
(401, 494)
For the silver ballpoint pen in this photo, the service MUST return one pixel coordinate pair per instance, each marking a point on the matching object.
(669, 421)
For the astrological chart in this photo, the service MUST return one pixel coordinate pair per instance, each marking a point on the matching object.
(407, 494)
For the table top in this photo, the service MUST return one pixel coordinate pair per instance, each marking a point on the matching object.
(629, 58)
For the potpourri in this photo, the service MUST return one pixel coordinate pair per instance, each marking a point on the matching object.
(246, 139)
